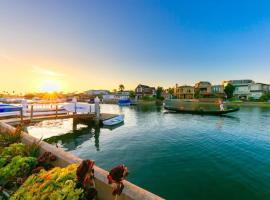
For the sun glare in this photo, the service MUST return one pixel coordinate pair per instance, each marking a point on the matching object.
(50, 86)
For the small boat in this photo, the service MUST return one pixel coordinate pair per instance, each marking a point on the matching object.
(114, 121)
(201, 111)
(124, 102)
(9, 108)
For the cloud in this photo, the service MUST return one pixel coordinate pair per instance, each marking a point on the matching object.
(46, 72)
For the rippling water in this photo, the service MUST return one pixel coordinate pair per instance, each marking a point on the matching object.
(178, 156)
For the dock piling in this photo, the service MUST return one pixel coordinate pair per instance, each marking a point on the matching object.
(21, 115)
(32, 112)
(56, 111)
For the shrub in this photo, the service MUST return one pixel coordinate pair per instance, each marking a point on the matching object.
(18, 167)
(10, 138)
(58, 183)
(11, 151)
(265, 97)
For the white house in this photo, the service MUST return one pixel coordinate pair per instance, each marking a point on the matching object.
(97, 92)
(248, 88)
(258, 89)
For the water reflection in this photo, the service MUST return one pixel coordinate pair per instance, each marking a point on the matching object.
(220, 123)
(146, 108)
(226, 155)
(114, 126)
(73, 139)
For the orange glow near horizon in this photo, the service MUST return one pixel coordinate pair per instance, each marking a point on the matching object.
(29, 74)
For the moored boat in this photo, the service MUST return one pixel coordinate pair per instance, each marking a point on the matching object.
(9, 108)
(124, 102)
(114, 121)
(201, 111)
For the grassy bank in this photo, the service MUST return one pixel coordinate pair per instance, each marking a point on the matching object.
(249, 104)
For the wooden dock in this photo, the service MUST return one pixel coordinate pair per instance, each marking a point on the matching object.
(78, 118)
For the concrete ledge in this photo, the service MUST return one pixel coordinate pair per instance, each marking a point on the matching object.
(64, 158)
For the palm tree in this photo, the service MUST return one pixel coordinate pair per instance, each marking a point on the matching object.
(121, 87)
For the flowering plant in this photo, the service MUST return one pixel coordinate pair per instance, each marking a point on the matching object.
(57, 183)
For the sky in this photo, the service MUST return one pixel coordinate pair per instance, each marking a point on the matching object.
(98, 44)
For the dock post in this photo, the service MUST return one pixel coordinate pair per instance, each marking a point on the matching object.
(32, 110)
(97, 109)
(21, 115)
(56, 111)
(75, 109)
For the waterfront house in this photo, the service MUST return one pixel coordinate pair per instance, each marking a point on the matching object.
(97, 92)
(203, 88)
(247, 88)
(144, 90)
(218, 90)
(184, 92)
(242, 87)
(108, 97)
(114, 97)
(258, 89)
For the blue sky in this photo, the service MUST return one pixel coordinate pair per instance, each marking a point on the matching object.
(100, 44)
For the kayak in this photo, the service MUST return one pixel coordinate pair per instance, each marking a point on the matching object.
(202, 112)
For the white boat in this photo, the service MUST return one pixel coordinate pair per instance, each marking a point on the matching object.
(113, 121)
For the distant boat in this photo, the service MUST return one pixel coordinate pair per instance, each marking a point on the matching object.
(114, 121)
(124, 102)
(7, 110)
(201, 111)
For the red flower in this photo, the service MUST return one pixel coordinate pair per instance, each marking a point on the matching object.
(41, 160)
(37, 169)
(52, 158)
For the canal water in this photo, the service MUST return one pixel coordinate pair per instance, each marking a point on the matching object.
(177, 156)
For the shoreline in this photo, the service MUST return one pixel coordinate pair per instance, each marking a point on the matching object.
(249, 104)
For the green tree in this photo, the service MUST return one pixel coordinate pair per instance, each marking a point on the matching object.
(159, 93)
(132, 94)
(171, 91)
(121, 87)
(197, 94)
(265, 97)
(229, 89)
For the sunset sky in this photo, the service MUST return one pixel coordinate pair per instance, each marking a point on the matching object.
(78, 45)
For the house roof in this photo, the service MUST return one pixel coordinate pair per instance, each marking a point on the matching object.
(203, 82)
(185, 86)
(143, 86)
(146, 86)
